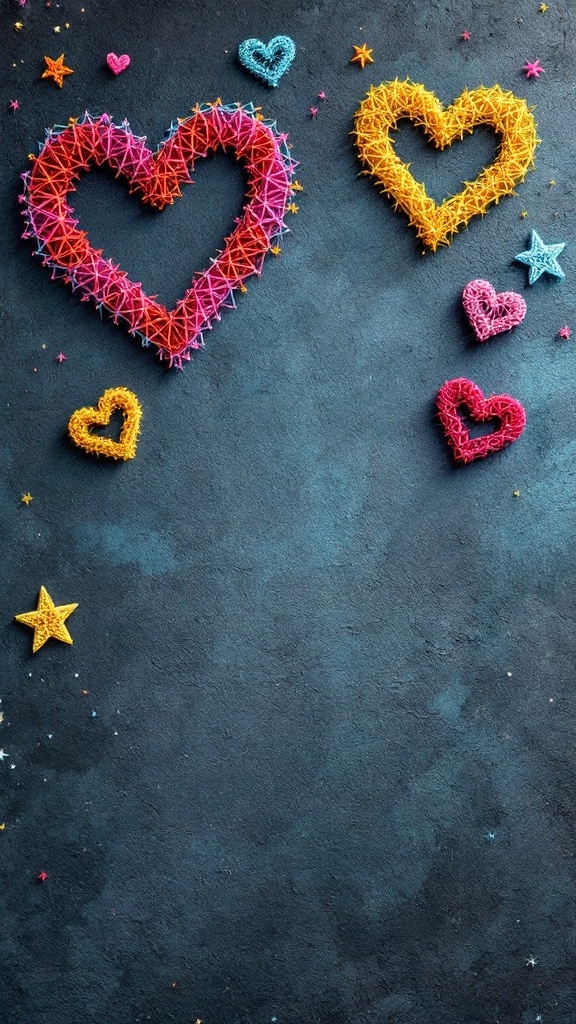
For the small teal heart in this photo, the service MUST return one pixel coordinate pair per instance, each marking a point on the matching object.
(268, 62)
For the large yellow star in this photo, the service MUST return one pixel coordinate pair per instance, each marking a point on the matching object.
(56, 69)
(47, 621)
(362, 55)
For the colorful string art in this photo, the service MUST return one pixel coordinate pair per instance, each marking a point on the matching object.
(387, 104)
(93, 141)
(462, 394)
(491, 312)
(84, 420)
(268, 61)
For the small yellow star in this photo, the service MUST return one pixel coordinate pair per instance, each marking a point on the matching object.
(18, 25)
(217, 102)
(515, 494)
(292, 208)
(524, 214)
(72, 120)
(275, 250)
(56, 69)
(543, 8)
(27, 498)
(47, 620)
(258, 116)
(552, 181)
(2, 826)
(362, 55)
(243, 289)
(56, 28)
(297, 187)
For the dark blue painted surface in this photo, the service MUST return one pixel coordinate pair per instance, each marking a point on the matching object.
(325, 664)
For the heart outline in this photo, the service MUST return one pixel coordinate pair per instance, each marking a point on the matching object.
(510, 117)
(460, 392)
(481, 302)
(270, 70)
(113, 400)
(96, 140)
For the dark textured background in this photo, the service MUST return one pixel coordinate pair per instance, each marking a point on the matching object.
(325, 663)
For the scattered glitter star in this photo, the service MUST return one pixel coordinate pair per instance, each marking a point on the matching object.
(564, 333)
(490, 836)
(47, 620)
(543, 8)
(3, 755)
(322, 95)
(2, 826)
(56, 28)
(552, 182)
(313, 112)
(27, 498)
(21, 3)
(533, 70)
(18, 25)
(515, 494)
(465, 35)
(297, 187)
(362, 55)
(524, 214)
(56, 69)
(541, 258)
(14, 104)
(531, 962)
(292, 208)
(275, 250)
(60, 358)
(41, 876)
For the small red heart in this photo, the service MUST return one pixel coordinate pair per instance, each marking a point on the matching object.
(508, 413)
(117, 64)
(491, 312)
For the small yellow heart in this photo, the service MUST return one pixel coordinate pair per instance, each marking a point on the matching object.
(510, 117)
(112, 400)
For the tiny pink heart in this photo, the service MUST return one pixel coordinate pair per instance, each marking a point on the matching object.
(491, 312)
(117, 64)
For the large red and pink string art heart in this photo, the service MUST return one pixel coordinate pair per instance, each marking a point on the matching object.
(70, 151)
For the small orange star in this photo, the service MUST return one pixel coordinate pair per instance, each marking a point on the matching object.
(56, 69)
(362, 55)
(47, 620)
(258, 116)
(27, 498)
(275, 250)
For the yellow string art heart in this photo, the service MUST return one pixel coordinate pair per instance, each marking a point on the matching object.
(113, 400)
(510, 117)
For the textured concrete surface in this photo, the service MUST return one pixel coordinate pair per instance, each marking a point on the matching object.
(326, 665)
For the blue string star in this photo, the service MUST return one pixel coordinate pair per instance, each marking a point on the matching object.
(542, 258)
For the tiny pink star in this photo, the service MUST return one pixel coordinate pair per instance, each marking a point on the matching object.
(465, 35)
(533, 70)
(313, 112)
(322, 95)
(60, 358)
(22, 3)
(14, 104)
(565, 333)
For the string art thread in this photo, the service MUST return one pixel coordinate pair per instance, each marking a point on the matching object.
(94, 141)
(462, 394)
(268, 61)
(82, 422)
(491, 312)
(387, 104)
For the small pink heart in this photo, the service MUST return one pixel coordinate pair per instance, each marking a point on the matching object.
(490, 312)
(117, 64)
